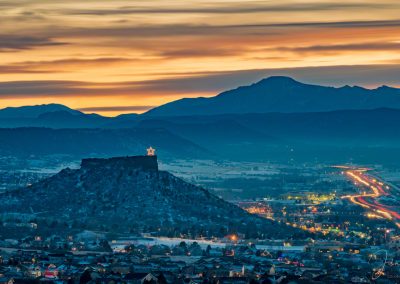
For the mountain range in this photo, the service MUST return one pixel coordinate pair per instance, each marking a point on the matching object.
(50, 115)
(96, 142)
(366, 136)
(26, 112)
(273, 94)
(128, 195)
(282, 94)
(276, 118)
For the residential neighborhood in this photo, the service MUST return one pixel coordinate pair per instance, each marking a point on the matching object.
(87, 258)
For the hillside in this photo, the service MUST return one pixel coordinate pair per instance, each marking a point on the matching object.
(23, 142)
(50, 115)
(129, 195)
(365, 136)
(35, 111)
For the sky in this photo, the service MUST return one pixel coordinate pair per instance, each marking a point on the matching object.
(113, 57)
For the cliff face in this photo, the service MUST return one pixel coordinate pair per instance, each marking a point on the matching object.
(129, 195)
(146, 163)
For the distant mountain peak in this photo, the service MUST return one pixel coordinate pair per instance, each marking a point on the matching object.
(51, 106)
(277, 83)
(386, 88)
(283, 94)
(279, 80)
(348, 87)
(34, 111)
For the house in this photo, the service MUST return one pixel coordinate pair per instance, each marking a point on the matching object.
(51, 272)
(232, 280)
(154, 278)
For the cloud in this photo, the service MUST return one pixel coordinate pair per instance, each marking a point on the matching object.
(16, 69)
(139, 35)
(203, 83)
(78, 61)
(186, 40)
(366, 46)
(78, 89)
(61, 65)
(30, 89)
(115, 108)
(12, 42)
(249, 7)
(343, 24)
(200, 52)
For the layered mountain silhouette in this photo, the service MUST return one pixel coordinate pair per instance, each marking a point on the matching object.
(283, 94)
(78, 143)
(335, 136)
(130, 195)
(274, 94)
(35, 111)
(50, 115)
(276, 118)
(366, 136)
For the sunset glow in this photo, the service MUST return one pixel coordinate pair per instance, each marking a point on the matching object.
(113, 57)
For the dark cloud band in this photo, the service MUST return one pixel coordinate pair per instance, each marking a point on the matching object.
(11, 42)
(210, 83)
(234, 9)
(61, 65)
(367, 46)
(115, 108)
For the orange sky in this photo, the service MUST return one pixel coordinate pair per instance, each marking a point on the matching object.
(114, 57)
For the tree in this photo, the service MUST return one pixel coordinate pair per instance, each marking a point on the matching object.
(85, 277)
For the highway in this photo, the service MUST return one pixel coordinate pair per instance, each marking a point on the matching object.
(372, 189)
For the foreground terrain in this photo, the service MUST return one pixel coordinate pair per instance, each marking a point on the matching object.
(126, 195)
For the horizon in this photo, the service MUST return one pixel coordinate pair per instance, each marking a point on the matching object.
(125, 57)
(109, 112)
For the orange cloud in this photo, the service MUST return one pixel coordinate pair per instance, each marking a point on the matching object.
(144, 53)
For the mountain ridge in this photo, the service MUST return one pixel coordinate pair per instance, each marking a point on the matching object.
(34, 111)
(79, 143)
(282, 94)
(230, 136)
(275, 94)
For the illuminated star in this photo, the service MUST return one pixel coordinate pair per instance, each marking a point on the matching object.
(151, 151)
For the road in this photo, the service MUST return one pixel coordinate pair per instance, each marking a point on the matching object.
(372, 189)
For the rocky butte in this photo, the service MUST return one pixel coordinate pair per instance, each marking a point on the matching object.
(126, 195)
(144, 163)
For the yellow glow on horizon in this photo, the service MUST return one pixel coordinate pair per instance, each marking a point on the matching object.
(143, 42)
